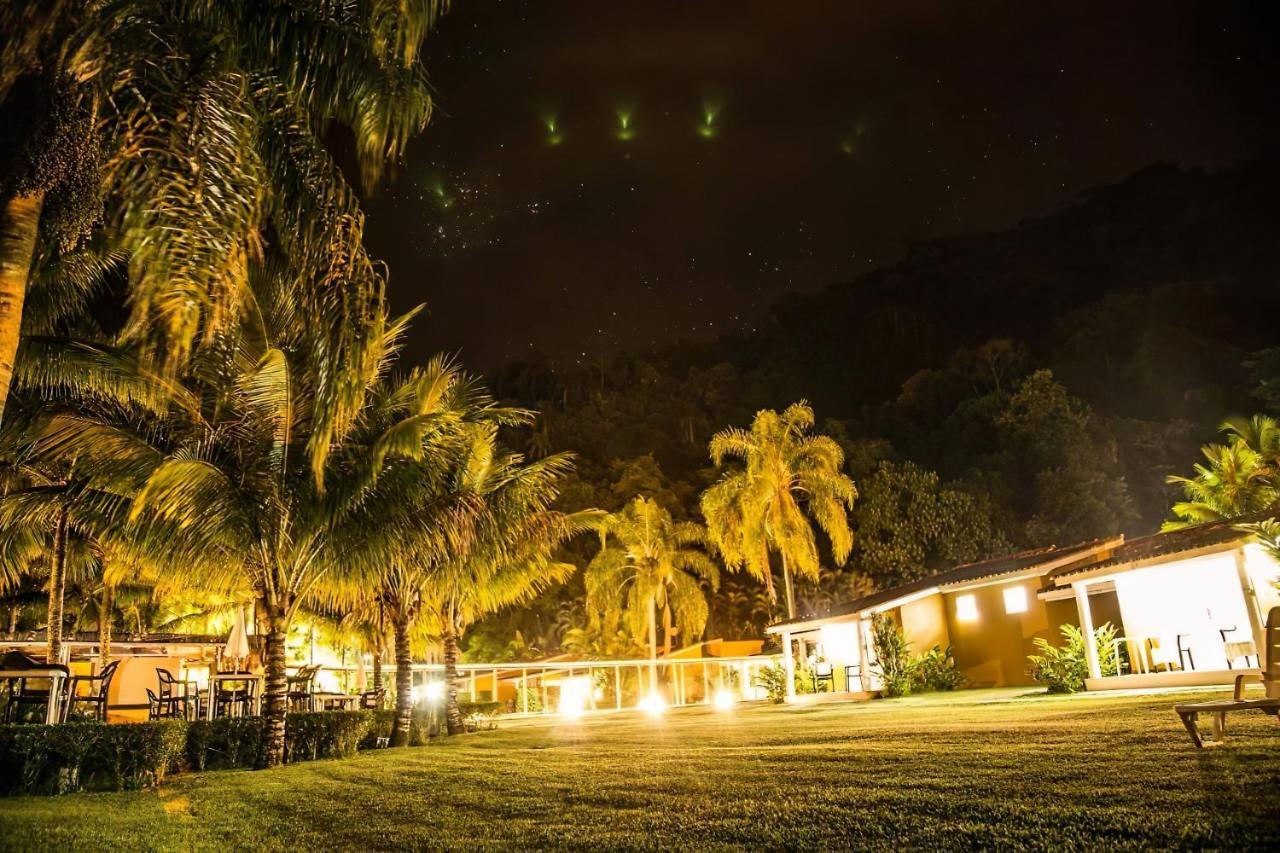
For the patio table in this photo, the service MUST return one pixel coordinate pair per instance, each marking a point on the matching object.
(334, 701)
(215, 678)
(53, 705)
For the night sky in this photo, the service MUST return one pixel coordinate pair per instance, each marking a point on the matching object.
(774, 147)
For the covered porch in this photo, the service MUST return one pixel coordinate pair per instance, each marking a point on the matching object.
(1194, 618)
(835, 655)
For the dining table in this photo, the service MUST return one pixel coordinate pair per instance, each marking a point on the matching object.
(252, 678)
(57, 677)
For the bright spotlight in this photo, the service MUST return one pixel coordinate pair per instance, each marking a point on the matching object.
(653, 705)
(433, 691)
(573, 697)
(724, 700)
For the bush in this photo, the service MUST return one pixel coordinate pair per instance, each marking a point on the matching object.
(75, 756)
(1064, 668)
(422, 726)
(893, 659)
(480, 715)
(773, 679)
(89, 755)
(936, 670)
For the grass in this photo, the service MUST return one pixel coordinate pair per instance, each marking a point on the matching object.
(972, 769)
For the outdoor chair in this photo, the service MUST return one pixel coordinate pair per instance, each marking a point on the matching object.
(853, 678)
(1219, 708)
(1185, 659)
(1236, 649)
(175, 694)
(233, 698)
(300, 689)
(99, 685)
(371, 700)
(823, 674)
(160, 708)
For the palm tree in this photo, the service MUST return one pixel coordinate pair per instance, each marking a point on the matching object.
(190, 129)
(786, 478)
(1237, 479)
(249, 480)
(508, 555)
(650, 565)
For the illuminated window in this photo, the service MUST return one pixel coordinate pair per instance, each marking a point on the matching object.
(1015, 599)
(966, 608)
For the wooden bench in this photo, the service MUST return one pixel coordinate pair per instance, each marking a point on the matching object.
(1218, 709)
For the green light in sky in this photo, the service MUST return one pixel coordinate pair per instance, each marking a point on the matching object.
(554, 137)
(625, 131)
(708, 127)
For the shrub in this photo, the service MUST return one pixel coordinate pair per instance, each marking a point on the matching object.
(226, 743)
(422, 726)
(480, 715)
(773, 679)
(1064, 668)
(893, 660)
(936, 670)
(325, 734)
(39, 759)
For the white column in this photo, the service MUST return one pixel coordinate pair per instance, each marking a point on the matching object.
(864, 665)
(617, 688)
(789, 665)
(524, 690)
(1251, 606)
(1086, 628)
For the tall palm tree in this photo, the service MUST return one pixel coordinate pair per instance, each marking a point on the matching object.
(224, 483)
(190, 130)
(650, 566)
(509, 555)
(786, 478)
(1236, 479)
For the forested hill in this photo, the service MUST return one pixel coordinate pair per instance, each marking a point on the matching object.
(1024, 387)
(858, 341)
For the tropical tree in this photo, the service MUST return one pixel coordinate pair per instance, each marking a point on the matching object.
(785, 479)
(508, 556)
(650, 569)
(193, 132)
(1238, 478)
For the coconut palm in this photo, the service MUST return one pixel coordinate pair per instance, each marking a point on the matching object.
(786, 478)
(1238, 478)
(651, 568)
(508, 556)
(189, 130)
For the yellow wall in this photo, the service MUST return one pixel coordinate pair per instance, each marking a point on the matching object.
(992, 650)
(924, 623)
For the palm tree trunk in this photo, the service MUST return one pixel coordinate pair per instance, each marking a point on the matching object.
(104, 624)
(57, 587)
(275, 698)
(404, 682)
(19, 225)
(452, 713)
(14, 612)
(653, 645)
(377, 667)
(786, 578)
(668, 632)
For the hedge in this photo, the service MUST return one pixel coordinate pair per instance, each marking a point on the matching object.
(94, 756)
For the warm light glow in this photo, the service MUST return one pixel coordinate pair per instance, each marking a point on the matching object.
(653, 705)
(966, 608)
(433, 691)
(625, 132)
(724, 700)
(1015, 599)
(554, 136)
(840, 642)
(708, 127)
(573, 697)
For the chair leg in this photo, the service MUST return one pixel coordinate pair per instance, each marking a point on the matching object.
(1189, 721)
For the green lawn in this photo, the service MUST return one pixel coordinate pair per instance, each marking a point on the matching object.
(976, 768)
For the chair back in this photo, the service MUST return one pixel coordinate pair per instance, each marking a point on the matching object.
(104, 678)
(372, 699)
(168, 684)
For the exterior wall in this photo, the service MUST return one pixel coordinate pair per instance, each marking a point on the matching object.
(924, 623)
(992, 649)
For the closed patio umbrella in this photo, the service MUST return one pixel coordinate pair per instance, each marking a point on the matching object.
(238, 640)
(362, 680)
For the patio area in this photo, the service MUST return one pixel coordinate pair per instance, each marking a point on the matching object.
(979, 768)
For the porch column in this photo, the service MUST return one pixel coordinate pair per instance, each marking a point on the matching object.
(1086, 628)
(864, 665)
(617, 688)
(1251, 603)
(789, 665)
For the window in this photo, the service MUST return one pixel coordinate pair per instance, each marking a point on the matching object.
(1015, 599)
(966, 608)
